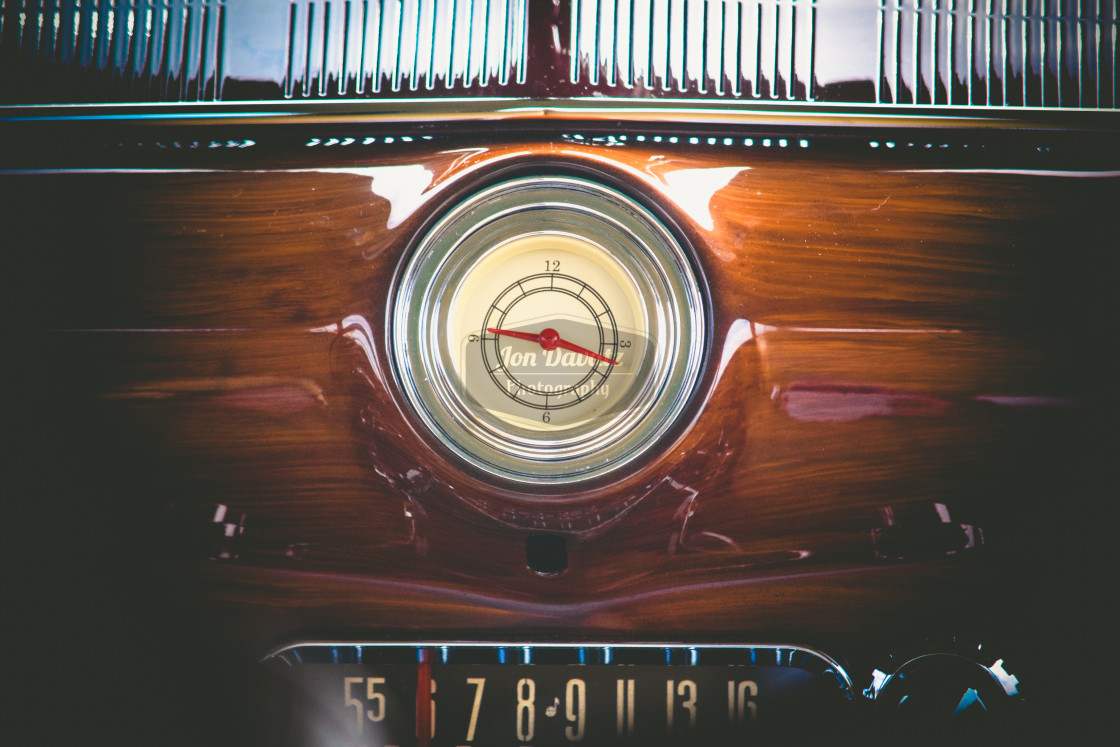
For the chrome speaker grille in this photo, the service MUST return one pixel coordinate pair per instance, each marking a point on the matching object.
(937, 54)
(116, 50)
(366, 47)
(738, 48)
(1031, 53)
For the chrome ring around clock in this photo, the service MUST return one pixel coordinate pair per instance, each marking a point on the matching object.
(599, 336)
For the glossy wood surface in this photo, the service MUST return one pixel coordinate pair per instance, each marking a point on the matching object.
(885, 336)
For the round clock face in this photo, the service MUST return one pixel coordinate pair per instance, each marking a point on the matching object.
(548, 330)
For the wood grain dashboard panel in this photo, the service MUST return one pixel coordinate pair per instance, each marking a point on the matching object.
(891, 346)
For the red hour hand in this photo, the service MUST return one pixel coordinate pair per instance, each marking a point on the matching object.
(550, 339)
(518, 335)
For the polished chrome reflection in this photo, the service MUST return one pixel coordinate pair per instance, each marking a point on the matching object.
(997, 53)
(933, 53)
(741, 48)
(368, 47)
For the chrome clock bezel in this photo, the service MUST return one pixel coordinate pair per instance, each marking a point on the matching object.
(629, 235)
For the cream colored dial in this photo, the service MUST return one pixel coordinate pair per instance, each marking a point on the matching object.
(548, 328)
(531, 286)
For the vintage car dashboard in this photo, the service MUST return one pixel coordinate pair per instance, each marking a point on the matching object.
(497, 372)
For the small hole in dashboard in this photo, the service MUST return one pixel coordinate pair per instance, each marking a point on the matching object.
(546, 554)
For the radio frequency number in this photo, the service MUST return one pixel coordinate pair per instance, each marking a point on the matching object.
(478, 709)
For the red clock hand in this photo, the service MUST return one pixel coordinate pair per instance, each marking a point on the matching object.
(577, 349)
(550, 339)
(518, 335)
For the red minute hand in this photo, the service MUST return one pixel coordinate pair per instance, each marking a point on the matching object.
(577, 349)
(550, 339)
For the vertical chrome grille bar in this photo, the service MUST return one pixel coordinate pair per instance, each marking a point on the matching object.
(660, 43)
(690, 46)
(1079, 60)
(898, 62)
(424, 19)
(104, 15)
(121, 36)
(755, 48)
(1094, 60)
(219, 52)
(478, 40)
(395, 30)
(608, 31)
(487, 68)
(773, 19)
(1089, 67)
(183, 39)
(390, 42)
(204, 52)
(1059, 54)
(674, 68)
(323, 59)
(984, 63)
(523, 36)
(412, 45)
(293, 52)
(810, 87)
(1024, 38)
(640, 43)
(916, 50)
(1046, 88)
(588, 43)
(371, 45)
(460, 51)
(172, 54)
(84, 49)
(1113, 52)
(132, 46)
(595, 52)
(505, 29)
(791, 80)
(933, 19)
(898, 53)
(309, 51)
(623, 43)
(151, 54)
(378, 39)
(944, 13)
(1008, 50)
(713, 41)
(443, 44)
(574, 49)
(67, 32)
(880, 54)
(342, 84)
(971, 29)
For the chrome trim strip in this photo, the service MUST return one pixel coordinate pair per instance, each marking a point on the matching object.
(665, 111)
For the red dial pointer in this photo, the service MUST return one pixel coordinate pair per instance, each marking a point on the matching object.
(550, 339)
